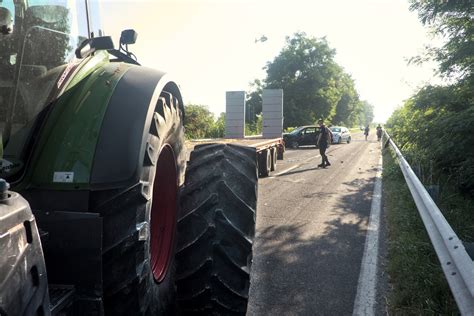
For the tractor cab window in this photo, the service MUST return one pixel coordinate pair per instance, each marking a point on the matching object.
(37, 49)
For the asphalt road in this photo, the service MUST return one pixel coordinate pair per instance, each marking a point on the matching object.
(311, 227)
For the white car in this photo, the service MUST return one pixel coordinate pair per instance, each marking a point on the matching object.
(340, 134)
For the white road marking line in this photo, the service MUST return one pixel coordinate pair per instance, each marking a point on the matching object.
(296, 166)
(286, 170)
(364, 303)
(300, 164)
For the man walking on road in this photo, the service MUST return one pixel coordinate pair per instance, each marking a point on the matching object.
(366, 131)
(324, 138)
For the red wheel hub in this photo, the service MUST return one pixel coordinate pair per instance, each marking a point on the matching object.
(163, 213)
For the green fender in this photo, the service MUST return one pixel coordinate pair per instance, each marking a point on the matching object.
(92, 138)
(68, 136)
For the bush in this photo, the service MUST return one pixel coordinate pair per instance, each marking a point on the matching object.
(199, 123)
(434, 131)
(254, 128)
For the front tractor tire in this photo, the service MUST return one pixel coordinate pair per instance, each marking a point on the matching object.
(216, 229)
(140, 223)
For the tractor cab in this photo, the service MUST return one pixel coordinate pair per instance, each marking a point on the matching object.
(38, 39)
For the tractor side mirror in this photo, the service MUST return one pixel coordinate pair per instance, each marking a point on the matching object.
(91, 45)
(128, 37)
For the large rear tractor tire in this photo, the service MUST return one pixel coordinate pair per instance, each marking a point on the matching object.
(216, 229)
(140, 223)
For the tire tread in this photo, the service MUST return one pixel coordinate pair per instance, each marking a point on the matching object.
(219, 201)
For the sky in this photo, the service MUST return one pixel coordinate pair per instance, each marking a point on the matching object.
(209, 46)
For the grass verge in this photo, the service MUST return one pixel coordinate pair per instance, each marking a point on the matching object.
(417, 285)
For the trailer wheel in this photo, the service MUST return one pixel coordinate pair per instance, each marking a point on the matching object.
(140, 224)
(274, 155)
(280, 153)
(216, 229)
(264, 163)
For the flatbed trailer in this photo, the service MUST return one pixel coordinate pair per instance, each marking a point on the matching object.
(268, 150)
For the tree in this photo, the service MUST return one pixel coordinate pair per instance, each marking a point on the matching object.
(436, 132)
(198, 121)
(453, 21)
(305, 69)
(253, 103)
(367, 113)
(435, 125)
(218, 128)
(348, 106)
(254, 128)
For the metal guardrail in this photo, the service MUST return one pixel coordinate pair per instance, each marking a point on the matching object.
(458, 267)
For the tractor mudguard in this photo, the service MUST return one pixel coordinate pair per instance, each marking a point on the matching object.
(95, 133)
(63, 153)
(122, 139)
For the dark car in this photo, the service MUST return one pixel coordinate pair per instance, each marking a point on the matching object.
(301, 136)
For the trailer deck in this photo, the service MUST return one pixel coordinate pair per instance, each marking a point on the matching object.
(268, 150)
(251, 141)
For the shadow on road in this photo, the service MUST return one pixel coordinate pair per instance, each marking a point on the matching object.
(302, 148)
(297, 272)
(297, 171)
(311, 147)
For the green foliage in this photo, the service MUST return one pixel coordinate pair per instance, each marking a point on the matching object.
(418, 285)
(218, 128)
(348, 107)
(314, 85)
(434, 128)
(289, 129)
(254, 128)
(199, 123)
(366, 114)
(253, 103)
(453, 21)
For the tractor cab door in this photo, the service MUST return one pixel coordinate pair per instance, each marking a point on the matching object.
(38, 39)
(44, 48)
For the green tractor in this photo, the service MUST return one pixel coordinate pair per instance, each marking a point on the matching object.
(105, 214)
